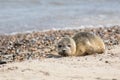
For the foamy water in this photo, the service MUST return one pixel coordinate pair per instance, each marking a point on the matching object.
(30, 15)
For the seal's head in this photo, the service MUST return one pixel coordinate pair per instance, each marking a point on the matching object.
(66, 46)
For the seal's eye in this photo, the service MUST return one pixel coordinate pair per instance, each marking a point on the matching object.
(69, 45)
(59, 46)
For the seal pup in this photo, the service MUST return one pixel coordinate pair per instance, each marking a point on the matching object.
(82, 43)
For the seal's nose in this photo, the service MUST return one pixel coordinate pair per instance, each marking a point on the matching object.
(63, 51)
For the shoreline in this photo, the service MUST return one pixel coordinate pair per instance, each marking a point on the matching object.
(66, 28)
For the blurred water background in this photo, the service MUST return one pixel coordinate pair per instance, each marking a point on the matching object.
(32, 15)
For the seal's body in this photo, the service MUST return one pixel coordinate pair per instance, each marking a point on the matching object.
(82, 43)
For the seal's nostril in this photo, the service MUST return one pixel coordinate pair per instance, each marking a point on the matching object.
(63, 51)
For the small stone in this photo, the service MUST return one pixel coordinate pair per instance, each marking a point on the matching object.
(100, 59)
(2, 62)
(106, 62)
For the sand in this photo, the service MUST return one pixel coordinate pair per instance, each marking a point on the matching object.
(92, 67)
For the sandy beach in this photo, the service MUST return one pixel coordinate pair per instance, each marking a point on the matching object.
(33, 56)
(93, 67)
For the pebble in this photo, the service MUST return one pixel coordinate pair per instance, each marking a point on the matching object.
(106, 62)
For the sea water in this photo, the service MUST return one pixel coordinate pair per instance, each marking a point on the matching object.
(32, 15)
